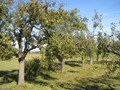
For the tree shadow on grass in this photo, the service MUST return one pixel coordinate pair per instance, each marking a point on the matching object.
(71, 71)
(43, 76)
(47, 76)
(8, 76)
(73, 63)
(101, 83)
(44, 83)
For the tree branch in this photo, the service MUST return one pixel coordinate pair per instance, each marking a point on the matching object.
(112, 51)
(33, 47)
(109, 48)
(36, 27)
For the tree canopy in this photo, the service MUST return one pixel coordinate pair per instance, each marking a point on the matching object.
(6, 49)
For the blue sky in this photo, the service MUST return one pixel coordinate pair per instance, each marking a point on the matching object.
(110, 10)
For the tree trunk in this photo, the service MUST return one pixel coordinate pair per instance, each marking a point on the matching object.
(50, 65)
(21, 72)
(97, 59)
(62, 62)
(62, 65)
(82, 62)
(91, 60)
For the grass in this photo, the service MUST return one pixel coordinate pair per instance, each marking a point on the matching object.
(9, 65)
(13, 63)
(75, 77)
(31, 56)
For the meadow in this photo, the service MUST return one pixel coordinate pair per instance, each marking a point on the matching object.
(75, 77)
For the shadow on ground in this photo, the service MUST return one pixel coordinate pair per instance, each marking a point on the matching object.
(8, 76)
(43, 81)
(102, 83)
(73, 63)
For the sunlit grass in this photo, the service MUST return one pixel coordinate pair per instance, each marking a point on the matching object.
(31, 56)
(9, 64)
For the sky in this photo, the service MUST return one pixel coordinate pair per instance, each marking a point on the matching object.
(110, 10)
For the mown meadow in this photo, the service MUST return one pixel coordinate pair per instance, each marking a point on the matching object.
(75, 77)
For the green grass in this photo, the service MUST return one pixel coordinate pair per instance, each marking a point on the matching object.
(9, 65)
(75, 77)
